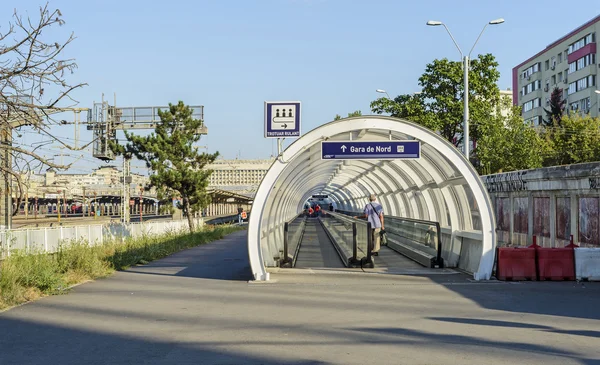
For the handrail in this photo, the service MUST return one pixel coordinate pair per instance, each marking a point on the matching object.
(438, 258)
(392, 216)
(354, 260)
(286, 262)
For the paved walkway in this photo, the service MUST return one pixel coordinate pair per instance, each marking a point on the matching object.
(196, 307)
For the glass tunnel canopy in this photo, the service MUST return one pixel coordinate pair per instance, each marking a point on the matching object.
(441, 185)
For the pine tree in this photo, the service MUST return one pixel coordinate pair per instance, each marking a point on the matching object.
(557, 108)
(177, 166)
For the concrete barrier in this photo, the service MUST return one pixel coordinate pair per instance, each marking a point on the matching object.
(587, 264)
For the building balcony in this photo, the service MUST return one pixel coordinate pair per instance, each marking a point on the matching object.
(584, 51)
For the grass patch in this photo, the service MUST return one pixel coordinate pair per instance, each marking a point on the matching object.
(26, 277)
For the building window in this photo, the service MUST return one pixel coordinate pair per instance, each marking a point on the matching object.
(584, 104)
(590, 38)
(572, 88)
(560, 77)
(553, 62)
(553, 79)
(560, 57)
(572, 67)
(535, 103)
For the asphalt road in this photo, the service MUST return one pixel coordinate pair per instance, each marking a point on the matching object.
(197, 307)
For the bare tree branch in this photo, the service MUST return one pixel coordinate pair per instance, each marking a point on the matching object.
(33, 86)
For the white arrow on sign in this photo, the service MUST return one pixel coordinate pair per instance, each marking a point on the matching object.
(343, 148)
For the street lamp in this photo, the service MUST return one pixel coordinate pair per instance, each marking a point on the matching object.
(465, 58)
(383, 92)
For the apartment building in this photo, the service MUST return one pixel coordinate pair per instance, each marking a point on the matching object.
(570, 63)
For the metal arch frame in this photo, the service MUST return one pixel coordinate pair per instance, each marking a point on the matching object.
(377, 171)
(260, 220)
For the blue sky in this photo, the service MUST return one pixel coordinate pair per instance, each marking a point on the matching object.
(232, 55)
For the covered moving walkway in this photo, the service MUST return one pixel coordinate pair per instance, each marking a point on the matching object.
(440, 186)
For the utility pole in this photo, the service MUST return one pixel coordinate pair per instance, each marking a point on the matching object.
(58, 205)
(84, 206)
(141, 203)
(106, 120)
(126, 187)
(65, 202)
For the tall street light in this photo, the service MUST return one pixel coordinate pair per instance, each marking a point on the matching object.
(465, 58)
(383, 92)
(598, 100)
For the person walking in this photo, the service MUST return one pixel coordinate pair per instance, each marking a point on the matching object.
(374, 213)
(240, 210)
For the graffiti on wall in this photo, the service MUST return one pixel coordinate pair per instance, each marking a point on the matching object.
(511, 181)
(594, 183)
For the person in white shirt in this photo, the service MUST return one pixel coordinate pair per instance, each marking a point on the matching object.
(374, 213)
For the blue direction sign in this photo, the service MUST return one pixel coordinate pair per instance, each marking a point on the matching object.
(373, 150)
(282, 119)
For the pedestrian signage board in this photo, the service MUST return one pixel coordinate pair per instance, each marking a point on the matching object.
(282, 119)
(370, 150)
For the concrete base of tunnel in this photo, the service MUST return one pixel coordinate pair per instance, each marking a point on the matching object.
(440, 185)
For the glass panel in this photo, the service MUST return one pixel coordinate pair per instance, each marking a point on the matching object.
(563, 218)
(520, 215)
(541, 217)
(588, 221)
(419, 235)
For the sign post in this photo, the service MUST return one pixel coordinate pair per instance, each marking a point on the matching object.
(282, 119)
(370, 150)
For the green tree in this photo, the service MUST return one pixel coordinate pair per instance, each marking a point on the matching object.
(557, 108)
(506, 143)
(176, 165)
(356, 113)
(439, 106)
(575, 140)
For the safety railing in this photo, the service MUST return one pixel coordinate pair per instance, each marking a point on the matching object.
(226, 219)
(419, 240)
(293, 231)
(50, 239)
(350, 238)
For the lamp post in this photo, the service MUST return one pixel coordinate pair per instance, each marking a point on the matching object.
(465, 58)
(383, 92)
(597, 100)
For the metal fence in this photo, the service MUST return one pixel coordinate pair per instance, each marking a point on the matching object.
(49, 239)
